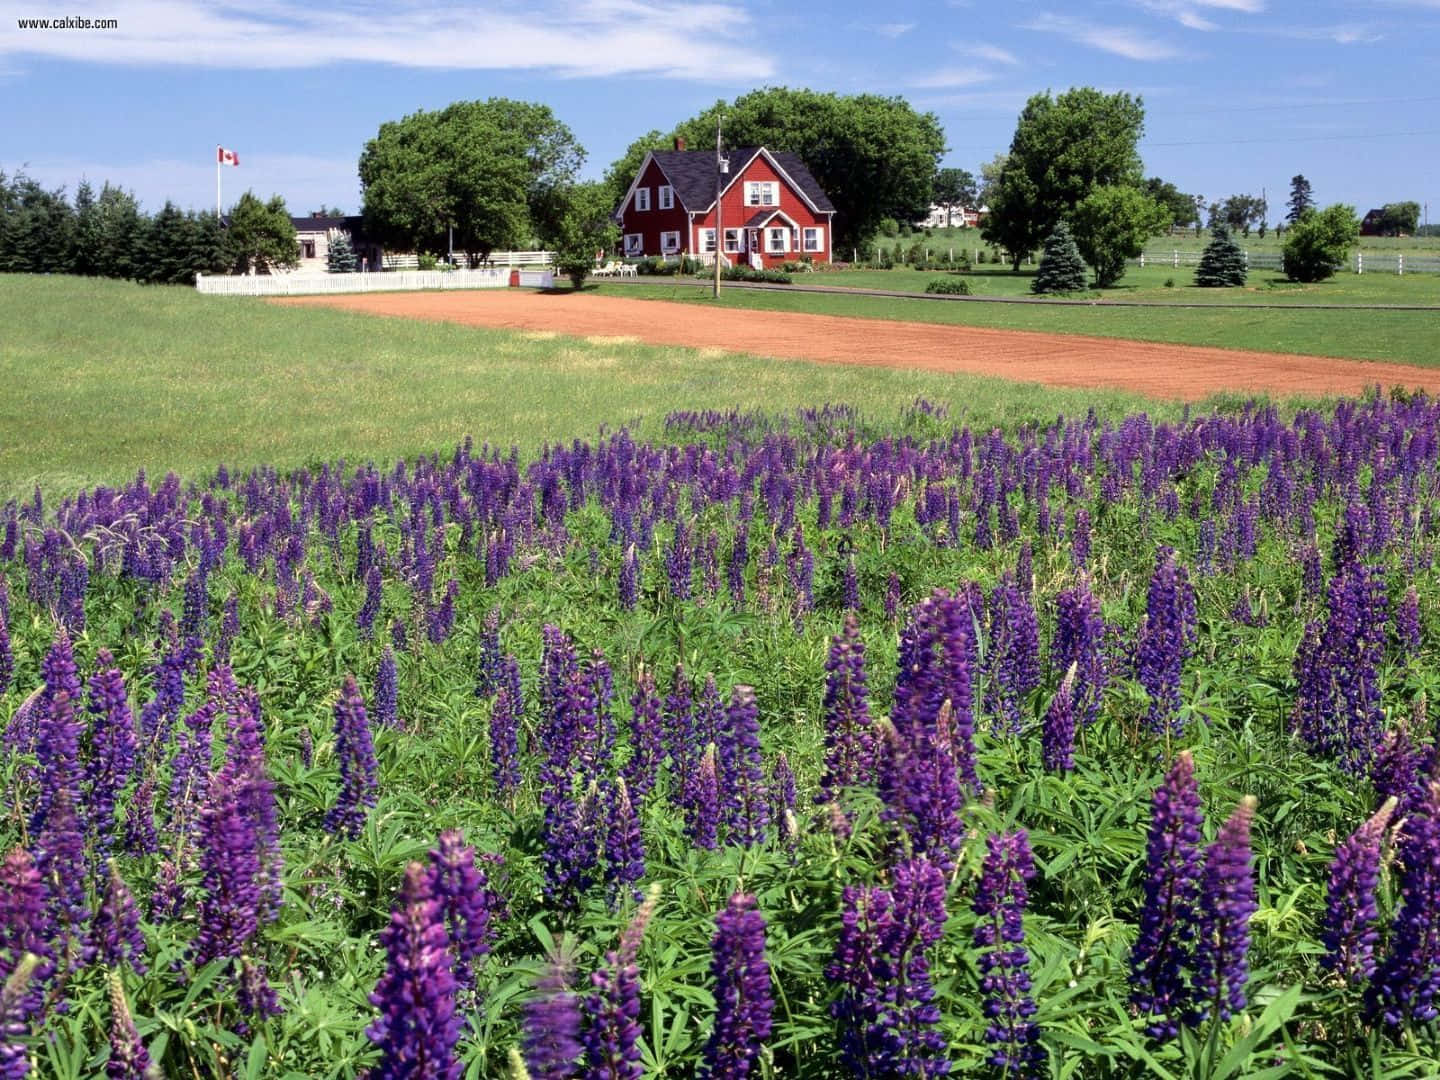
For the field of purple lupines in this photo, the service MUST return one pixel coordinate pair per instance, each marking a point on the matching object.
(778, 747)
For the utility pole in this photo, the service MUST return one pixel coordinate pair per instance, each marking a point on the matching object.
(721, 168)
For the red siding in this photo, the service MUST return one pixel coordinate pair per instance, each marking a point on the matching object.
(734, 214)
(651, 223)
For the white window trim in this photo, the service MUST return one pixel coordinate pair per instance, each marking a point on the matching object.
(734, 241)
(762, 193)
(642, 199)
(707, 241)
(634, 243)
(667, 197)
(783, 233)
(818, 232)
(670, 242)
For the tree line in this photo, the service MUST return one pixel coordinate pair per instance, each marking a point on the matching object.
(106, 234)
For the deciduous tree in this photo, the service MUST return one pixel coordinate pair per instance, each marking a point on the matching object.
(1180, 206)
(1400, 219)
(261, 236)
(953, 188)
(585, 228)
(1319, 243)
(1063, 149)
(1111, 225)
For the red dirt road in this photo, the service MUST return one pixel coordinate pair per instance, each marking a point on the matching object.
(1184, 372)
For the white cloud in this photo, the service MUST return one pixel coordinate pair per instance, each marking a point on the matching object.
(1340, 33)
(1120, 40)
(895, 29)
(570, 38)
(946, 78)
(993, 53)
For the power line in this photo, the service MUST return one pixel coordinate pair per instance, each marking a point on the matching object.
(1298, 139)
(1305, 105)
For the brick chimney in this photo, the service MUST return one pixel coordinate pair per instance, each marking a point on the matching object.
(679, 143)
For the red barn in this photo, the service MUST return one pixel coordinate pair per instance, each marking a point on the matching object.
(771, 208)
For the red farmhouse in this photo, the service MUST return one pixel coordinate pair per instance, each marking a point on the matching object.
(771, 208)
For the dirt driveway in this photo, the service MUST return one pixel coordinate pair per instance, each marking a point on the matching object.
(1185, 372)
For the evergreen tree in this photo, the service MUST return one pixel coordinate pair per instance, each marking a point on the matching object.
(1300, 198)
(207, 243)
(38, 229)
(1061, 268)
(1222, 263)
(166, 257)
(85, 240)
(121, 233)
(340, 259)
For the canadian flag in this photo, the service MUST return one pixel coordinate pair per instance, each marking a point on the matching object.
(226, 157)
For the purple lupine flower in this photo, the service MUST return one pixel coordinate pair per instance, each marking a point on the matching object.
(702, 808)
(504, 741)
(1403, 989)
(1000, 899)
(417, 1028)
(370, 606)
(113, 747)
(647, 746)
(307, 748)
(190, 767)
(115, 936)
(1080, 537)
(850, 587)
(1407, 623)
(1080, 642)
(735, 568)
(630, 579)
(467, 905)
(128, 1059)
(7, 653)
(1352, 917)
(1013, 659)
(1166, 636)
(744, 812)
(552, 1026)
(442, 615)
(782, 791)
(611, 1034)
(141, 837)
(1398, 770)
(892, 596)
(624, 844)
(489, 672)
(356, 753)
(679, 562)
(920, 787)
(1227, 900)
(14, 990)
(229, 628)
(387, 713)
(57, 736)
(849, 737)
(61, 860)
(229, 906)
(742, 992)
(936, 663)
(1166, 938)
(679, 725)
(1057, 735)
(24, 928)
(889, 1021)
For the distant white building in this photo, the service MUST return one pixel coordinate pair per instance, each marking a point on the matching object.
(314, 233)
(959, 217)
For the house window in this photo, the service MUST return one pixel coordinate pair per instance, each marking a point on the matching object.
(669, 241)
(707, 240)
(761, 193)
(642, 198)
(307, 249)
(777, 241)
(732, 240)
(813, 239)
(634, 243)
(667, 197)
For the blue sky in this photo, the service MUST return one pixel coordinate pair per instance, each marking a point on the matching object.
(1240, 94)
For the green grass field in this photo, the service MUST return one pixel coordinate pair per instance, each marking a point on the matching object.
(102, 378)
(969, 239)
(1407, 337)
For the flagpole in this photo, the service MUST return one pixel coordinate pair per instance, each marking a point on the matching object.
(217, 183)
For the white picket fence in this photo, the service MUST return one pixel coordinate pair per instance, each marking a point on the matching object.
(391, 281)
(1362, 262)
(507, 259)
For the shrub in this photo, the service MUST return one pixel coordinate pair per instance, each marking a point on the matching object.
(1169, 283)
(951, 286)
(1319, 243)
(1061, 268)
(980, 257)
(1222, 263)
(889, 227)
(745, 273)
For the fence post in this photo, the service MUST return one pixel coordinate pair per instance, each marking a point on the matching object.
(1142, 260)
(1175, 254)
(1246, 253)
(1359, 262)
(1400, 263)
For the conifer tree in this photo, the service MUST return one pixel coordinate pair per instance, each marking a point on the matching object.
(1222, 263)
(341, 257)
(1061, 268)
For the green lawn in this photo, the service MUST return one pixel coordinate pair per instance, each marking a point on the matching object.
(102, 378)
(1408, 337)
(969, 240)
(1148, 284)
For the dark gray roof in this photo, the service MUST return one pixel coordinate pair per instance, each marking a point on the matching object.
(350, 223)
(692, 174)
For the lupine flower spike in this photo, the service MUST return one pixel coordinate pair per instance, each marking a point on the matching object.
(743, 1003)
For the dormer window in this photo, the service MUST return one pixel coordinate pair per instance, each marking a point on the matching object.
(762, 193)
(667, 197)
(642, 198)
